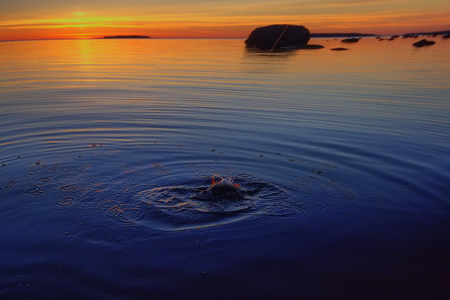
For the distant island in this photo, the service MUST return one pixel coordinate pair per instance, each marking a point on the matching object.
(442, 32)
(126, 37)
(354, 34)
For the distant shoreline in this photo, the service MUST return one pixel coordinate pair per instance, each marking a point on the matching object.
(313, 35)
(126, 37)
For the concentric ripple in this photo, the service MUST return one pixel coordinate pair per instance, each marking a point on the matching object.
(181, 199)
(145, 198)
(192, 205)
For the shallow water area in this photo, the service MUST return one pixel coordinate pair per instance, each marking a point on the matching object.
(108, 148)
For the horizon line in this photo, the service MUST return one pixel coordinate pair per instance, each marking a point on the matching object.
(322, 35)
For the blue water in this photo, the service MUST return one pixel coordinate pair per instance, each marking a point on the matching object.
(108, 148)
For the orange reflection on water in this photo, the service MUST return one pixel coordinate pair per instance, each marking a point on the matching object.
(144, 65)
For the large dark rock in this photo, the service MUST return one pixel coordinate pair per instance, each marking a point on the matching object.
(278, 36)
(424, 42)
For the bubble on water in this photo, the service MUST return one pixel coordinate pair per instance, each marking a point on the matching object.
(45, 179)
(33, 172)
(66, 201)
(34, 190)
(9, 184)
(244, 176)
(67, 187)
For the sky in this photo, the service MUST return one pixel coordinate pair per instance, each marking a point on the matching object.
(55, 19)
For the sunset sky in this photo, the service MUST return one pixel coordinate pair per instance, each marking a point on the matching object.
(49, 19)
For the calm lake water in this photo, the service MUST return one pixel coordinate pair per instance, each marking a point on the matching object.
(108, 148)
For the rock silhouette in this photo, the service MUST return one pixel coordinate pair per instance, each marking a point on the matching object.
(339, 49)
(350, 40)
(423, 42)
(126, 37)
(278, 36)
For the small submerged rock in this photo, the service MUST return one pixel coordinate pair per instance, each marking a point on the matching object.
(350, 40)
(339, 49)
(424, 42)
(311, 47)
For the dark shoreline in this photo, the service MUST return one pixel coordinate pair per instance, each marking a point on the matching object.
(126, 37)
(339, 35)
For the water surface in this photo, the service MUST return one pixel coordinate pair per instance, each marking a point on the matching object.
(108, 148)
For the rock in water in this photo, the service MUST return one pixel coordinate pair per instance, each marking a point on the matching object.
(424, 42)
(266, 37)
(350, 40)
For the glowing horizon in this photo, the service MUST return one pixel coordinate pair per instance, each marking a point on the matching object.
(26, 19)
